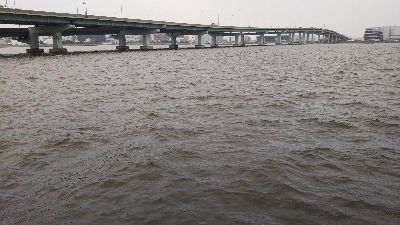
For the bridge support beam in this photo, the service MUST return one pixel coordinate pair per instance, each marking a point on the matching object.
(304, 37)
(214, 43)
(34, 33)
(308, 38)
(279, 39)
(122, 42)
(293, 38)
(242, 43)
(57, 43)
(261, 41)
(236, 40)
(146, 42)
(199, 41)
(34, 42)
(319, 38)
(173, 44)
(312, 38)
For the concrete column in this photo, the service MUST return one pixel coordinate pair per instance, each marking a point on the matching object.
(304, 37)
(200, 41)
(319, 38)
(173, 44)
(57, 43)
(262, 40)
(34, 42)
(242, 44)
(214, 43)
(312, 38)
(279, 39)
(122, 42)
(236, 40)
(337, 38)
(293, 37)
(146, 42)
(308, 38)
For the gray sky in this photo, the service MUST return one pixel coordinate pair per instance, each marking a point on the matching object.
(349, 17)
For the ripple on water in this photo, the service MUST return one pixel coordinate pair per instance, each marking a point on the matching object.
(199, 137)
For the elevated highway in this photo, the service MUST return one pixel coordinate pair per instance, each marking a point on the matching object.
(62, 24)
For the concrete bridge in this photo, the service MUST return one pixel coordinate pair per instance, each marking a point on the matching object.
(62, 24)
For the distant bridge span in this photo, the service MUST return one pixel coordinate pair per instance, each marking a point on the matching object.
(62, 24)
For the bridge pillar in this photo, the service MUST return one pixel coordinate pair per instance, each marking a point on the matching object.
(304, 37)
(337, 38)
(308, 38)
(214, 43)
(293, 37)
(261, 42)
(200, 42)
(236, 40)
(173, 44)
(242, 44)
(312, 38)
(122, 42)
(279, 39)
(146, 42)
(57, 43)
(34, 42)
(319, 38)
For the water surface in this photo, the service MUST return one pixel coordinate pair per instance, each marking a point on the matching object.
(262, 135)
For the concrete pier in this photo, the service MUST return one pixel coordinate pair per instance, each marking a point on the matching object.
(199, 42)
(146, 42)
(214, 43)
(57, 43)
(293, 37)
(236, 40)
(261, 41)
(34, 42)
(242, 43)
(173, 44)
(122, 42)
(279, 39)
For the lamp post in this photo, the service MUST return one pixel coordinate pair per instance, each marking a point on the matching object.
(84, 3)
(121, 8)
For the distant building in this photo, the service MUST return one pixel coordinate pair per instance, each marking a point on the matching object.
(161, 37)
(92, 38)
(388, 33)
(133, 38)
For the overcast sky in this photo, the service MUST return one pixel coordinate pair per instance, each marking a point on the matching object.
(349, 17)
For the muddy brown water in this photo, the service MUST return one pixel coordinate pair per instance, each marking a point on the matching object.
(259, 135)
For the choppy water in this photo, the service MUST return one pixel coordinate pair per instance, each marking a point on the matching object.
(261, 135)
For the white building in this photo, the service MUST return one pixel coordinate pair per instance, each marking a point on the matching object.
(387, 33)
